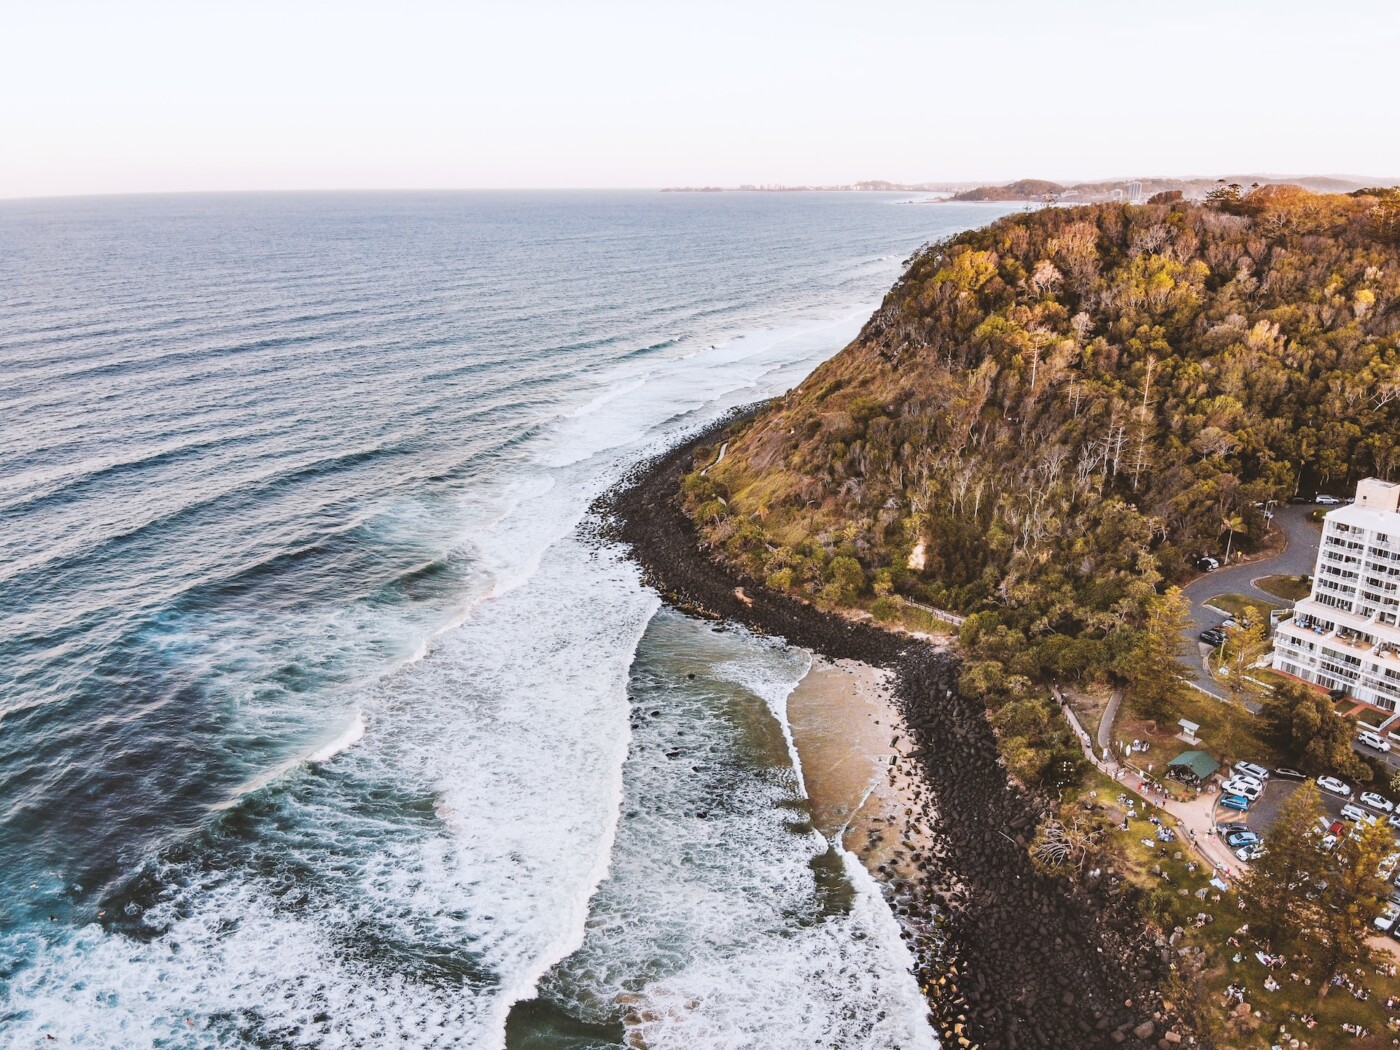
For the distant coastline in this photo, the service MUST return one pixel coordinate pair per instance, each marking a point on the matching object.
(1044, 191)
(869, 186)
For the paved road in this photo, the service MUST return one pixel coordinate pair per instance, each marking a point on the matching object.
(1106, 720)
(1298, 558)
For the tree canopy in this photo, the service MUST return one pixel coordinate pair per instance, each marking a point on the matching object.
(1050, 418)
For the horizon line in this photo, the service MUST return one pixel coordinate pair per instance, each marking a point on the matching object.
(742, 188)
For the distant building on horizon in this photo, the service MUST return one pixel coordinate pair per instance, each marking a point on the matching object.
(1346, 633)
(1135, 192)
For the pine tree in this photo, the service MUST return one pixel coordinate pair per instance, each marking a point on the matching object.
(1292, 860)
(1151, 667)
(1353, 895)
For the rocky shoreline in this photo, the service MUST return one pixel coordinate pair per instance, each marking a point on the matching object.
(1008, 958)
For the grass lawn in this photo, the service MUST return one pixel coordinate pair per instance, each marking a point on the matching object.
(1272, 677)
(1289, 588)
(1235, 605)
(1228, 733)
(1088, 703)
(914, 620)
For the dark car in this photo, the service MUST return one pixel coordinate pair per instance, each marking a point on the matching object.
(1299, 499)
(1214, 636)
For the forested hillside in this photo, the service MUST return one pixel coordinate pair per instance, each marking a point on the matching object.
(1049, 418)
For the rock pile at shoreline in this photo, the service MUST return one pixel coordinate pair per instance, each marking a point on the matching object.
(1009, 958)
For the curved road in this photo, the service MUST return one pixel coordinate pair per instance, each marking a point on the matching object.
(1298, 558)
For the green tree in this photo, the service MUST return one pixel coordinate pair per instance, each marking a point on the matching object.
(846, 580)
(1231, 524)
(1290, 862)
(1150, 665)
(1303, 725)
(1246, 642)
(1349, 903)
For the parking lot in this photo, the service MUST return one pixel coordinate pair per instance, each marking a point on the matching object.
(1264, 810)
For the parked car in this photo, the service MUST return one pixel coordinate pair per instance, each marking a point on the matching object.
(1213, 637)
(1248, 853)
(1386, 919)
(1387, 866)
(1351, 811)
(1299, 499)
(1248, 789)
(1335, 786)
(1250, 769)
(1246, 778)
(1206, 564)
(1380, 802)
(1394, 821)
(1325, 500)
(1374, 740)
(1291, 774)
(1225, 829)
(1234, 802)
(1236, 839)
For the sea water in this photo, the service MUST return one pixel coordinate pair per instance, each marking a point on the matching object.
(322, 723)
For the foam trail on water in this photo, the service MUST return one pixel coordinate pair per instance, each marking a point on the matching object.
(727, 919)
(353, 734)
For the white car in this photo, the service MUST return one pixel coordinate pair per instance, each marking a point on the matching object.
(1248, 789)
(1386, 919)
(1387, 866)
(1335, 786)
(1380, 802)
(1327, 501)
(1374, 740)
(1248, 853)
(1250, 769)
(1351, 811)
(1245, 778)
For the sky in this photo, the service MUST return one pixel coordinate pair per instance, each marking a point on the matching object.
(149, 96)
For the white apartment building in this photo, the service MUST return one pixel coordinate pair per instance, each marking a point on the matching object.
(1346, 633)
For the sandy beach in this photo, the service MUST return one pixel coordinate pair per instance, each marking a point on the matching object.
(854, 748)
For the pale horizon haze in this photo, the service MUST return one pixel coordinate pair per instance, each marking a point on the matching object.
(148, 96)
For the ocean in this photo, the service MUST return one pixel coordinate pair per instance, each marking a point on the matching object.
(322, 721)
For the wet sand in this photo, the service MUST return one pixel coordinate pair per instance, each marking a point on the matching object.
(854, 748)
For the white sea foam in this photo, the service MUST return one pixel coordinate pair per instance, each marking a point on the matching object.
(351, 736)
(711, 931)
(513, 723)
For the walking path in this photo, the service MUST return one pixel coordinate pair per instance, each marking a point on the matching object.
(1110, 713)
(1195, 819)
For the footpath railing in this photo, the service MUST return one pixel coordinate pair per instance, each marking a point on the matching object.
(938, 614)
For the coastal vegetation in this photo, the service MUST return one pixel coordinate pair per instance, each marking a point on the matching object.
(1044, 426)
(1049, 419)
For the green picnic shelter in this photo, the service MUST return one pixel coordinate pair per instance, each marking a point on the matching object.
(1192, 767)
